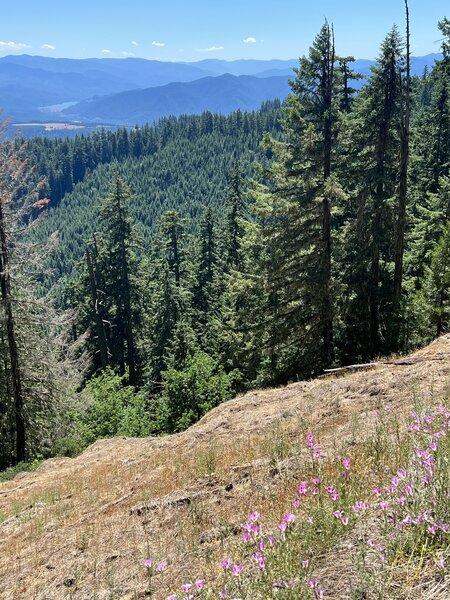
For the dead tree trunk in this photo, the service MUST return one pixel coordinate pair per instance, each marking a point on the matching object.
(16, 378)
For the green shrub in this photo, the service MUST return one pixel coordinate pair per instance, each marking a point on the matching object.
(191, 392)
(11, 472)
(113, 409)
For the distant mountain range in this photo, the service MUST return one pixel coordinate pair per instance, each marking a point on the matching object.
(224, 94)
(134, 90)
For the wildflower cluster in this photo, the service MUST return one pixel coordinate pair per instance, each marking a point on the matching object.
(416, 500)
(410, 509)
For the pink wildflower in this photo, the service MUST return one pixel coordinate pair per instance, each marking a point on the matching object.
(162, 566)
(302, 488)
(409, 490)
(347, 463)
(288, 517)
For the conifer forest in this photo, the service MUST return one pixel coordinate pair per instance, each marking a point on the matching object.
(149, 273)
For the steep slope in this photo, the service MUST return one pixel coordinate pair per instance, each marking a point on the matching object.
(221, 94)
(80, 528)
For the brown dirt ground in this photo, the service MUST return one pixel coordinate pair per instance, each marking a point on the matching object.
(80, 528)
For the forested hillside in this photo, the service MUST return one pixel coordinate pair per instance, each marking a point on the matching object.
(184, 272)
(183, 164)
(223, 94)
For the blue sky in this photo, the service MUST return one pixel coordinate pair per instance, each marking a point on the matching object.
(190, 30)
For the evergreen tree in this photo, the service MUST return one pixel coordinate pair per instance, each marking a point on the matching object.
(234, 219)
(438, 285)
(430, 171)
(375, 126)
(168, 337)
(208, 284)
(348, 75)
(120, 272)
(293, 212)
(97, 304)
(403, 182)
(172, 249)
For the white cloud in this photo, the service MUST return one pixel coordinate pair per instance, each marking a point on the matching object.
(158, 44)
(105, 51)
(134, 43)
(48, 47)
(13, 45)
(249, 40)
(125, 53)
(211, 49)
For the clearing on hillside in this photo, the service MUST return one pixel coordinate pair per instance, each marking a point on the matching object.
(81, 528)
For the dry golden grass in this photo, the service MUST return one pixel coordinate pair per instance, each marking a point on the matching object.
(80, 528)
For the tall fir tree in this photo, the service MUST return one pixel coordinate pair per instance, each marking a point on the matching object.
(207, 283)
(375, 136)
(405, 125)
(235, 217)
(168, 338)
(120, 269)
(294, 215)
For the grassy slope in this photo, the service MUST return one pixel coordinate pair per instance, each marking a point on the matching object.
(81, 528)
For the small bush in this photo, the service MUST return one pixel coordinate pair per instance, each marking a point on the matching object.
(11, 472)
(113, 409)
(191, 392)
